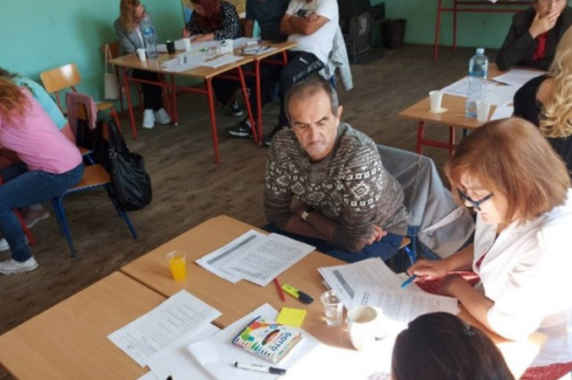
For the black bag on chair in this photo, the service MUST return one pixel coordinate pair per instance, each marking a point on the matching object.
(130, 181)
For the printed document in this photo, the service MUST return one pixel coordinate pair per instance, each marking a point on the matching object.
(518, 77)
(496, 94)
(255, 257)
(176, 319)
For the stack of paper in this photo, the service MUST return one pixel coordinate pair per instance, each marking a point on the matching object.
(244, 41)
(255, 257)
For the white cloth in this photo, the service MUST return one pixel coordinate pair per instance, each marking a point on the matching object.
(526, 273)
(320, 42)
(339, 60)
(138, 31)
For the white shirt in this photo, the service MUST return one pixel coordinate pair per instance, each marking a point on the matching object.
(320, 42)
(527, 274)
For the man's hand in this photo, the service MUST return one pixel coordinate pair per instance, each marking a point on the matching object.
(428, 269)
(311, 17)
(541, 25)
(378, 234)
(297, 207)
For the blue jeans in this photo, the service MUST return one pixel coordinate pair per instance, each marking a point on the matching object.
(384, 249)
(24, 188)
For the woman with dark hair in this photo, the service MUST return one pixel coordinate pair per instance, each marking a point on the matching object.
(440, 346)
(214, 20)
(510, 175)
(533, 35)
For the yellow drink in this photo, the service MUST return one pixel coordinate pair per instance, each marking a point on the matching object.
(178, 265)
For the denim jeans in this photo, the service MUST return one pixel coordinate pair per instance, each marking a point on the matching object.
(24, 188)
(384, 249)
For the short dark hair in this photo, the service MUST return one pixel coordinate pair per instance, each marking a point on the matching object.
(440, 346)
(310, 87)
(7, 74)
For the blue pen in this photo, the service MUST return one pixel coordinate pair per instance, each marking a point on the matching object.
(408, 281)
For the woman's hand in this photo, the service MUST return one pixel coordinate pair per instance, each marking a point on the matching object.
(452, 285)
(428, 269)
(541, 25)
(186, 33)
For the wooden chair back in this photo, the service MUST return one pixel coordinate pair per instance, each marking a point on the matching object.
(60, 78)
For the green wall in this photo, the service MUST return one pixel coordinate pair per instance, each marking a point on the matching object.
(40, 35)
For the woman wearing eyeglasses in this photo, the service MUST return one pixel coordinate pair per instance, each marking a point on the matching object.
(509, 174)
(532, 38)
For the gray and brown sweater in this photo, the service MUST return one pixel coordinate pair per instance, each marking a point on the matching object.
(350, 186)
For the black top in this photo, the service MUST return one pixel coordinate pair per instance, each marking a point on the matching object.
(268, 14)
(519, 46)
(229, 24)
(526, 106)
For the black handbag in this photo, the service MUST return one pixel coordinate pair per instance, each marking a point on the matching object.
(130, 182)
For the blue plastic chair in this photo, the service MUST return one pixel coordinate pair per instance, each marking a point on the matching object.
(94, 177)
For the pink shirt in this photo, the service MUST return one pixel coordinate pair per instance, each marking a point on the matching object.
(38, 142)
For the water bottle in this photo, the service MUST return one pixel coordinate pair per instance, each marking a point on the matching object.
(478, 69)
(149, 35)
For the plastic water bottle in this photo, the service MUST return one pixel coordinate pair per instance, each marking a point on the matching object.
(148, 31)
(478, 69)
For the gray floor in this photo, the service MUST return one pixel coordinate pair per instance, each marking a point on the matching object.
(189, 188)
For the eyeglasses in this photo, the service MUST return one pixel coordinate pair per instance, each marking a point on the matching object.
(474, 204)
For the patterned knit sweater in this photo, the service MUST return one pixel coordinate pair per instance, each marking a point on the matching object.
(350, 186)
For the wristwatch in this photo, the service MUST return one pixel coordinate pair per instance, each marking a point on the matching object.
(306, 213)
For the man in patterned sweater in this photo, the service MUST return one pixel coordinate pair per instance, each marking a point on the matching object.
(325, 183)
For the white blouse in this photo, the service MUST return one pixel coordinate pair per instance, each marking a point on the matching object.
(527, 273)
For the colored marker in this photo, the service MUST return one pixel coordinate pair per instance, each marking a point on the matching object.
(408, 281)
(260, 368)
(300, 295)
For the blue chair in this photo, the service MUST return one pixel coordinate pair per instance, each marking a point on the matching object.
(94, 177)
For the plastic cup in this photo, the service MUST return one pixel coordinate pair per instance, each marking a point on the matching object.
(333, 307)
(187, 42)
(483, 110)
(170, 47)
(178, 264)
(435, 98)
(141, 54)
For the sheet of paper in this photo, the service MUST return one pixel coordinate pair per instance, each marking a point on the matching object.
(402, 306)
(148, 376)
(496, 94)
(162, 48)
(222, 60)
(257, 50)
(185, 62)
(502, 112)
(217, 354)
(205, 45)
(518, 77)
(346, 279)
(175, 320)
(244, 41)
(255, 257)
(178, 362)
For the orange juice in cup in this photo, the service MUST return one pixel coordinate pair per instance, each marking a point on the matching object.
(178, 265)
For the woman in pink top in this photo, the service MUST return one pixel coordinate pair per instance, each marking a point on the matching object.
(50, 165)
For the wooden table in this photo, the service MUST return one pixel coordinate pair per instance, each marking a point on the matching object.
(236, 300)
(454, 117)
(69, 341)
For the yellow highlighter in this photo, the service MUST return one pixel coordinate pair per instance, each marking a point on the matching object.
(300, 295)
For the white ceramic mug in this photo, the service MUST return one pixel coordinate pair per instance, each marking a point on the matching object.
(365, 326)
(435, 99)
(141, 54)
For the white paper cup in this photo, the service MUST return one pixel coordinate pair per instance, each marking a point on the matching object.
(435, 98)
(187, 42)
(141, 54)
(228, 44)
(483, 110)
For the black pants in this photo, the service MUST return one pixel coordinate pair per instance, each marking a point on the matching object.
(224, 89)
(152, 95)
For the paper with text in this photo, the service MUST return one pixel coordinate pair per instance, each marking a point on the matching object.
(176, 319)
(496, 94)
(518, 77)
(221, 61)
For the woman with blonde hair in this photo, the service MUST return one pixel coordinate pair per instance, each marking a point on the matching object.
(130, 36)
(50, 163)
(508, 173)
(546, 101)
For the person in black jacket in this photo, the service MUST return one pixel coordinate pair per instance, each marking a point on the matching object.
(534, 34)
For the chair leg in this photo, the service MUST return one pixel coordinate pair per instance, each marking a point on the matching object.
(112, 199)
(128, 221)
(58, 216)
(59, 204)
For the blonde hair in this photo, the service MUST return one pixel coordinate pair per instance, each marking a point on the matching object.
(556, 116)
(126, 10)
(512, 159)
(13, 102)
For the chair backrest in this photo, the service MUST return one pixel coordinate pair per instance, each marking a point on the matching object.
(113, 48)
(60, 78)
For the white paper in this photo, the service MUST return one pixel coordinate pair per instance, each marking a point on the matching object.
(218, 354)
(178, 362)
(148, 376)
(502, 112)
(518, 77)
(257, 50)
(255, 257)
(222, 60)
(496, 94)
(185, 62)
(175, 320)
(162, 48)
(346, 279)
(402, 306)
(244, 41)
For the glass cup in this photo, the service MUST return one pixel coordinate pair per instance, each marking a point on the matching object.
(178, 264)
(333, 307)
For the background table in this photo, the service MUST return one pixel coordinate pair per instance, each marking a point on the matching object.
(69, 341)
